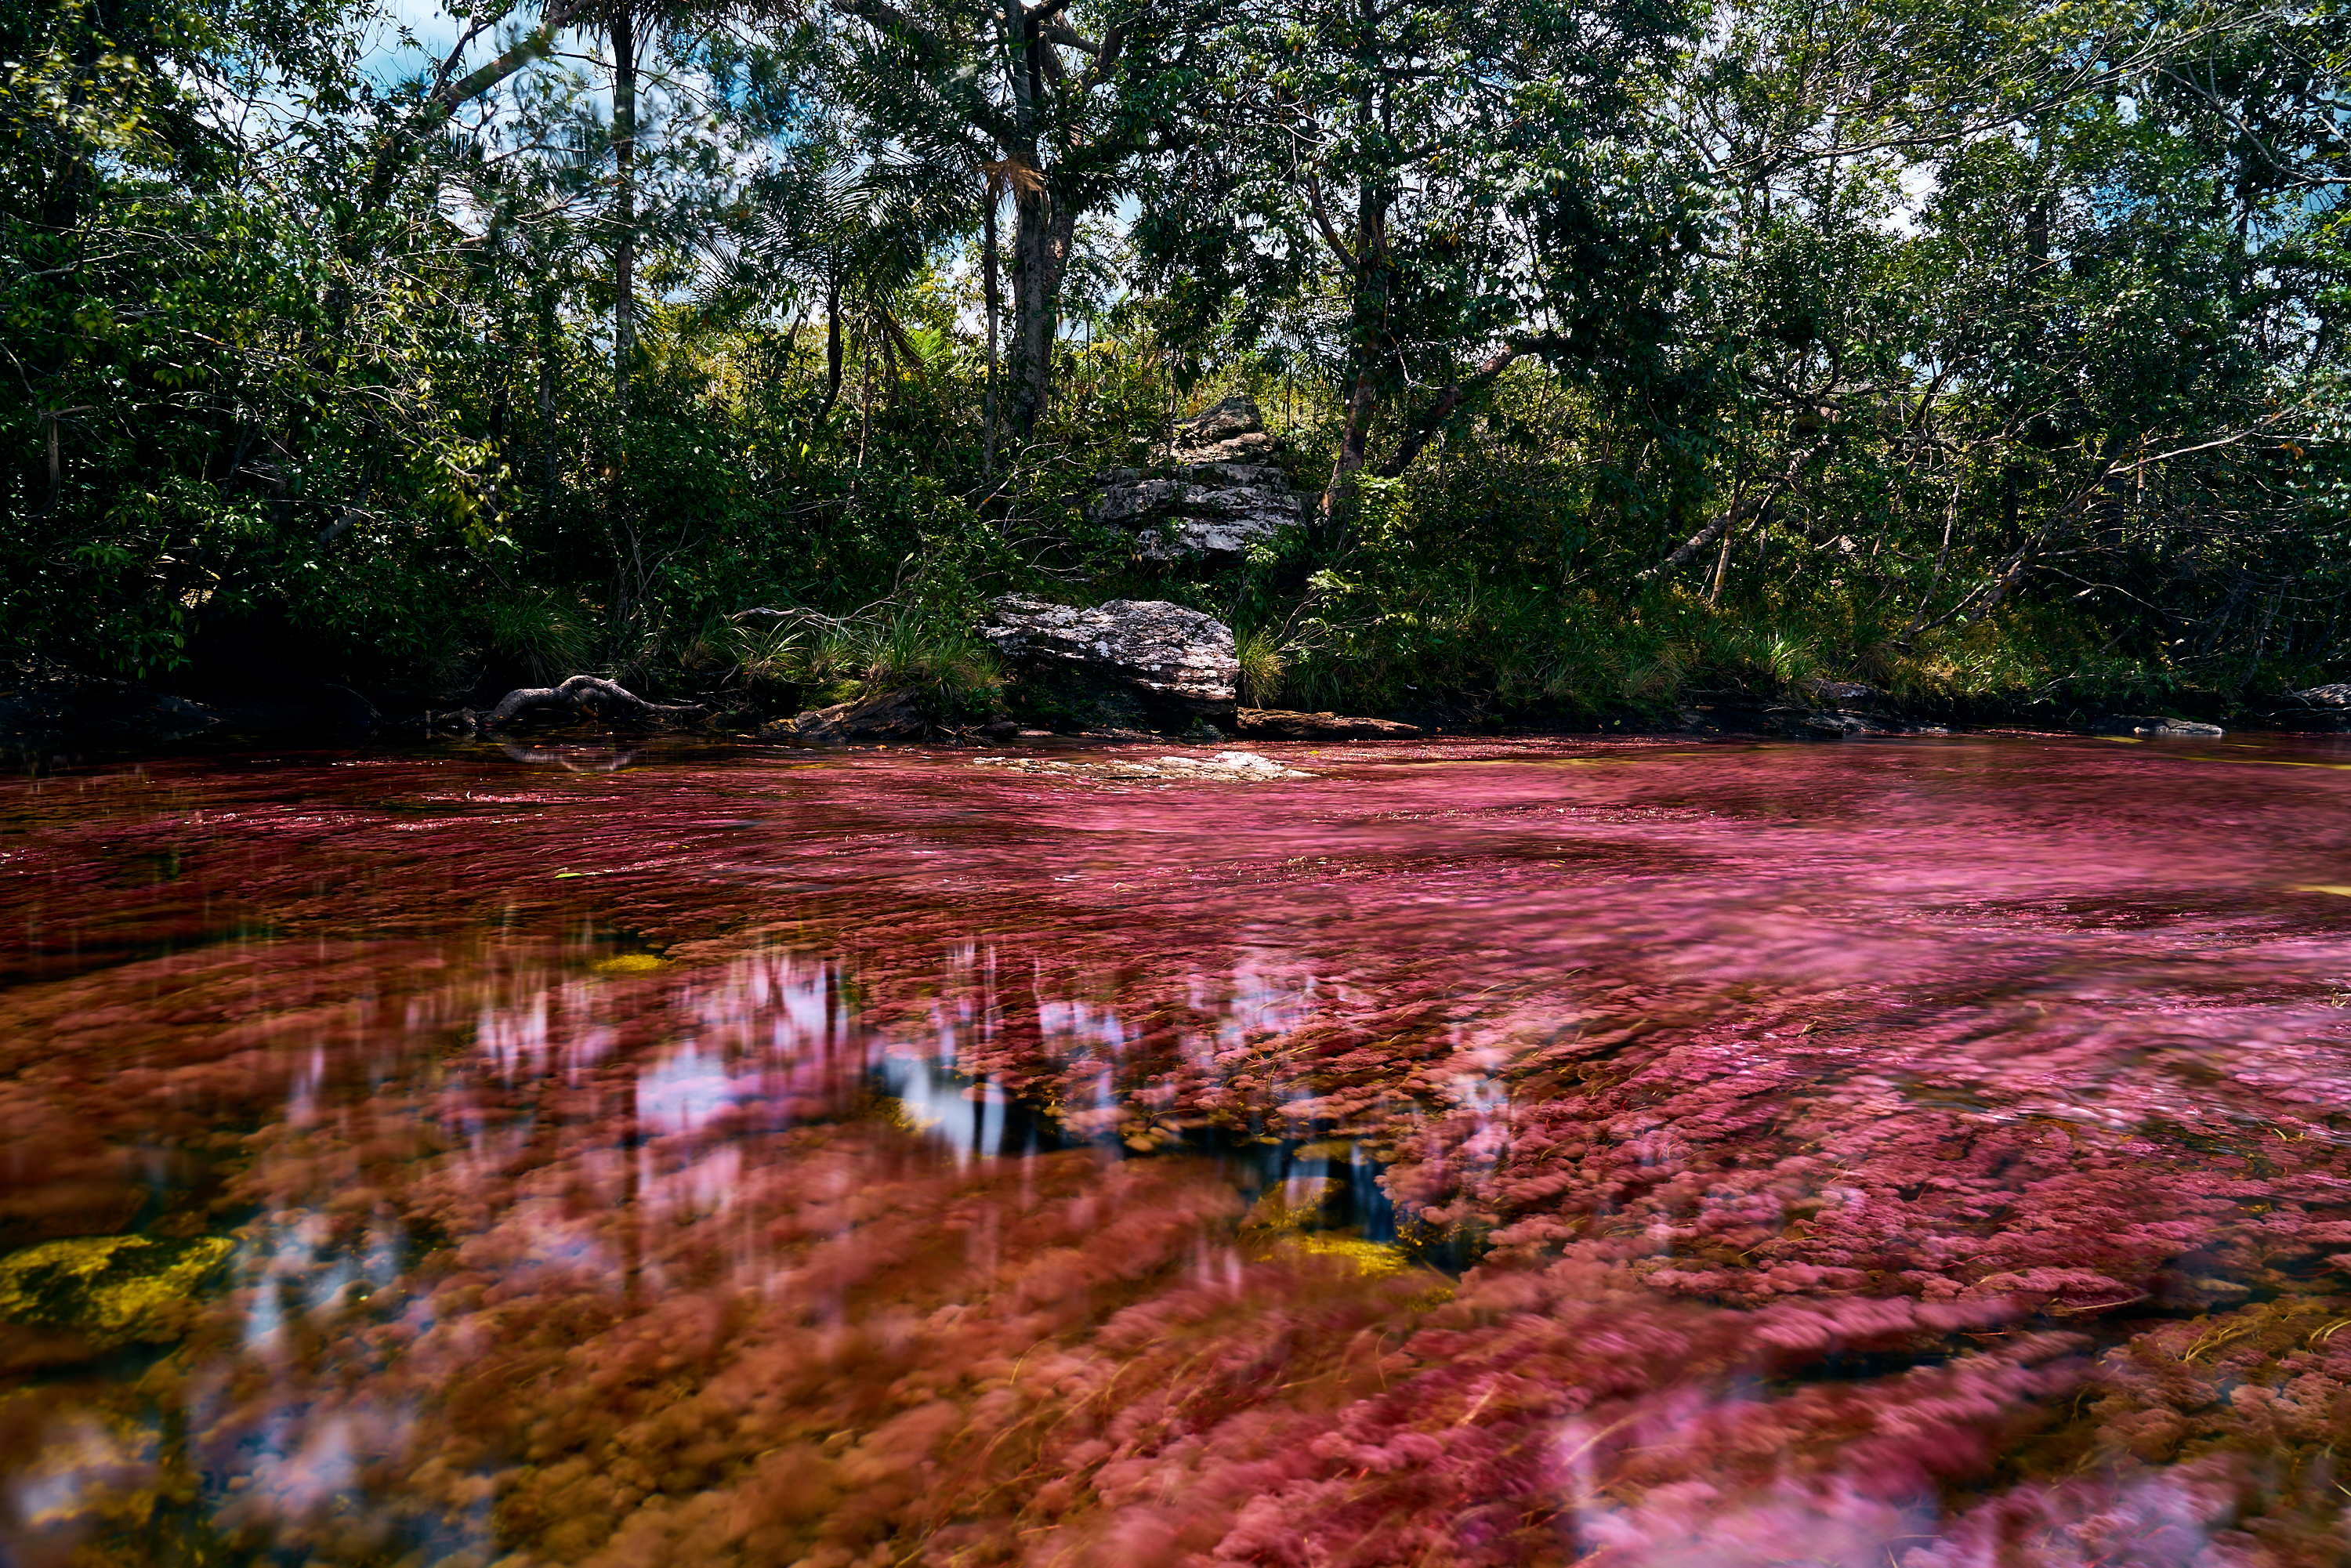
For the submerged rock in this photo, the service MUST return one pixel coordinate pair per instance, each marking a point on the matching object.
(108, 1290)
(2152, 725)
(1222, 492)
(1224, 766)
(1159, 660)
(1282, 723)
(1798, 723)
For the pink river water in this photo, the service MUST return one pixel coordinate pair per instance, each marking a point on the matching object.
(1908, 1154)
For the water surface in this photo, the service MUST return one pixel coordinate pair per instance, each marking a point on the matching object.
(1926, 1152)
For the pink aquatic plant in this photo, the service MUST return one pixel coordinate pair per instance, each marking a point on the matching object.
(1521, 1153)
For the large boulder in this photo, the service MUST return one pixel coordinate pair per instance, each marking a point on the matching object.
(1128, 659)
(1222, 491)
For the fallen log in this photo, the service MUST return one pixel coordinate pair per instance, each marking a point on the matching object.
(581, 694)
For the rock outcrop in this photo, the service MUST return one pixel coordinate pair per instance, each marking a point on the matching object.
(1281, 724)
(1222, 491)
(1117, 663)
(1851, 696)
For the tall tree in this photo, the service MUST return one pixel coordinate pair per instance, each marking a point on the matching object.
(1354, 167)
(1019, 89)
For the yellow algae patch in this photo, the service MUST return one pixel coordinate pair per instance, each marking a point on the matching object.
(2340, 890)
(903, 1116)
(630, 964)
(1373, 1260)
(111, 1289)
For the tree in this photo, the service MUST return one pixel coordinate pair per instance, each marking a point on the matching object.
(1362, 170)
(1018, 96)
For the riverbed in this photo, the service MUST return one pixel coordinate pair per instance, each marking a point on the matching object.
(1925, 1151)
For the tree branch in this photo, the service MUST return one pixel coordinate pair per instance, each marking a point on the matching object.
(1738, 512)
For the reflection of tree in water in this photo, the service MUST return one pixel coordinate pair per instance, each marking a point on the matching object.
(575, 758)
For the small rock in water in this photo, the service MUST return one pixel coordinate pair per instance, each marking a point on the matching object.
(2152, 725)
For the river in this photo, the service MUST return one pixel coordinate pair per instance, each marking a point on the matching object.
(1920, 1153)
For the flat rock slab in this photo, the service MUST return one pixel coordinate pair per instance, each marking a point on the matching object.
(1223, 768)
(1282, 723)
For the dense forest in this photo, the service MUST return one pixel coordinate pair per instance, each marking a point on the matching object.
(1991, 351)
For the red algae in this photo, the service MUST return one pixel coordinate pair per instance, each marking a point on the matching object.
(1927, 1153)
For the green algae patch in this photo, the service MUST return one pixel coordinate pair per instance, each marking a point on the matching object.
(111, 1289)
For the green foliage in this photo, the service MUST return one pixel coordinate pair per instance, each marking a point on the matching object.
(1997, 355)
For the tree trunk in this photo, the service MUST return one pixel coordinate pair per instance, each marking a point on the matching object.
(1373, 283)
(832, 343)
(1041, 252)
(991, 290)
(550, 469)
(1340, 497)
(624, 203)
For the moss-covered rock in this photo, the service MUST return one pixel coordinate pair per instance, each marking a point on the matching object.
(110, 1289)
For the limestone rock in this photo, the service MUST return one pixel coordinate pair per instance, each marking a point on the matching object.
(1222, 492)
(1231, 431)
(1281, 724)
(1798, 723)
(1173, 663)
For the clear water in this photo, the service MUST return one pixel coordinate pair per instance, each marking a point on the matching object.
(1924, 1153)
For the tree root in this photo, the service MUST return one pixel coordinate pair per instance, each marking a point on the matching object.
(581, 694)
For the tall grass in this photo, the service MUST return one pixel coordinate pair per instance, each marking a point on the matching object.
(821, 660)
